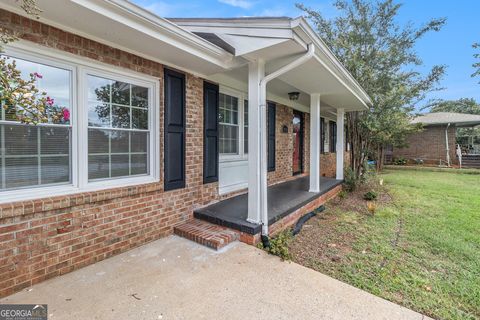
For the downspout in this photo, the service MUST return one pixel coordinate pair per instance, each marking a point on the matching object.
(263, 89)
(446, 142)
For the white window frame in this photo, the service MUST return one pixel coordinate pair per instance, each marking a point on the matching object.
(241, 97)
(80, 67)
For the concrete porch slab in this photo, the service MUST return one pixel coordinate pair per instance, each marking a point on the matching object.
(174, 278)
(283, 199)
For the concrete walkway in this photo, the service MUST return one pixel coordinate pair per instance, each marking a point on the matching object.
(174, 278)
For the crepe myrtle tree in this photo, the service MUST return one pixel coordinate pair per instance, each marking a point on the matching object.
(379, 52)
(19, 96)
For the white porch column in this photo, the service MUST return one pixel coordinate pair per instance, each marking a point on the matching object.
(340, 142)
(315, 137)
(256, 129)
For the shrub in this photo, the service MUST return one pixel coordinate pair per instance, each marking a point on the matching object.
(400, 161)
(351, 181)
(342, 194)
(370, 195)
(279, 245)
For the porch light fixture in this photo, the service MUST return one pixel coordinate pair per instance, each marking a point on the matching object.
(293, 95)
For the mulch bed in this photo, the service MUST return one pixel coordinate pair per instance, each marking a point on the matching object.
(322, 243)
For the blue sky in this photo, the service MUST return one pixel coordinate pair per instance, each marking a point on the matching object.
(451, 46)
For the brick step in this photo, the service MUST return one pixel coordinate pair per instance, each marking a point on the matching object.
(207, 234)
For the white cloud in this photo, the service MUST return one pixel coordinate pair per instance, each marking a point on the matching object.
(244, 4)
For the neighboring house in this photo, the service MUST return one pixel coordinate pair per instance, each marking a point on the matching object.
(167, 117)
(430, 145)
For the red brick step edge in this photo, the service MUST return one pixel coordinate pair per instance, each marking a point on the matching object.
(207, 234)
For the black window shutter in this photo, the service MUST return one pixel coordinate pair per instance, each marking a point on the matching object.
(271, 136)
(333, 136)
(322, 135)
(175, 118)
(210, 132)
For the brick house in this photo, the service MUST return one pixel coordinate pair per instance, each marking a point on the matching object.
(430, 145)
(168, 120)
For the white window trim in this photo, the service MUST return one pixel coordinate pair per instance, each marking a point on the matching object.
(241, 96)
(79, 119)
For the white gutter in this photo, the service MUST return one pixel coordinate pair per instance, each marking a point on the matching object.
(263, 134)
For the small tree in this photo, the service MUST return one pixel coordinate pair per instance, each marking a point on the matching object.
(379, 52)
(21, 96)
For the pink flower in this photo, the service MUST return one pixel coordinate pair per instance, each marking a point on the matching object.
(37, 75)
(50, 101)
(66, 114)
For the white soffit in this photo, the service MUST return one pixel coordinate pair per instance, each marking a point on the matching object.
(123, 25)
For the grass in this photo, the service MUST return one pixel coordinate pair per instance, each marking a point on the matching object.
(421, 249)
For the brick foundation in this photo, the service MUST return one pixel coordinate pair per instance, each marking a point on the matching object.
(292, 218)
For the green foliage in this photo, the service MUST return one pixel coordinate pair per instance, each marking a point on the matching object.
(20, 96)
(400, 161)
(370, 195)
(351, 180)
(378, 51)
(279, 245)
(476, 65)
(342, 194)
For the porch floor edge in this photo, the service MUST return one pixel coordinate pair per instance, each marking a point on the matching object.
(283, 199)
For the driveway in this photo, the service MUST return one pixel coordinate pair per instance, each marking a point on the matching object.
(174, 278)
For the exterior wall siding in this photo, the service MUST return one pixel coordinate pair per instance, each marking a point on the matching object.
(429, 145)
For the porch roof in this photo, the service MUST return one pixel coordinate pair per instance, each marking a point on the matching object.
(443, 118)
(279, 41)
(283, 199)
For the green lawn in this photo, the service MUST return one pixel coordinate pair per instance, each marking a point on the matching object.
(421, 249)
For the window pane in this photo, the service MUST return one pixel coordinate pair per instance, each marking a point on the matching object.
(120, 164)
(228, 139)
(99, 114)
(99, 89)
(139, 164)
(55, 82)
(120, 117)
(121, 93)
(98, 167)
(139, 118)
(98, 141)
(55, 169)
(55, 140)
(119, 141)
(21, 172)
(21, 140)
(139, 96)
(118, 153)
(139, 141)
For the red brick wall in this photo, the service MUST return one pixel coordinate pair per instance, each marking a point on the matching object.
(429, 145)
(44, 238)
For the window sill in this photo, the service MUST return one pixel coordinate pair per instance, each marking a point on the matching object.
(29, 201)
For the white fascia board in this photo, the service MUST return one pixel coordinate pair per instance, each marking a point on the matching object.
(178, 36)
(305, 31)
(157, 27)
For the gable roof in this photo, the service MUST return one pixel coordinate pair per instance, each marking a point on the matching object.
(280, 40)
(439, 118)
